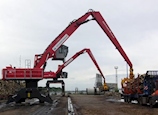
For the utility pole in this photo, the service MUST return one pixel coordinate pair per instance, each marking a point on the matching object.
(116, 67)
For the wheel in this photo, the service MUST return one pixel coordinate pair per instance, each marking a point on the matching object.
(140, 101)
(151, 103)
(125, 99)
(128, 99)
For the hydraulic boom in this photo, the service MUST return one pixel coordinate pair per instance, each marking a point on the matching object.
(66, 63)
(49, 52)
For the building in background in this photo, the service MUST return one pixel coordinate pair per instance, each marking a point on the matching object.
(98, 83)
(98, 80)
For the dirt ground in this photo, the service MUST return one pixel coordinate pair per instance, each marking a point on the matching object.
(19, 110)
(103, 105)
(107, 104)
(59, 107)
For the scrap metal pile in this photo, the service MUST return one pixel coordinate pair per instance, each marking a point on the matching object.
(143, 89)
(145, 83)
(135, 85)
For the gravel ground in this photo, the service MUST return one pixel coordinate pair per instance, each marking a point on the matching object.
(58, 107)
(108, 105)
(61, 108)
(19, 110)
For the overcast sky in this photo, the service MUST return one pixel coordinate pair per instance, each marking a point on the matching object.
(27, 27)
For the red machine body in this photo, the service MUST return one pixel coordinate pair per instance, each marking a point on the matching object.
(22, 73)
(41, 59)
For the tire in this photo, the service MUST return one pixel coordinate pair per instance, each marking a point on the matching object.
(151, 103)
(140, 101)
(128, 99)
(125, 99)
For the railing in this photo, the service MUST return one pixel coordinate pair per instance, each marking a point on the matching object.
(22, 73)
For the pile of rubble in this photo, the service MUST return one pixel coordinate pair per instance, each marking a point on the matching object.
(116, 95)
(9, 87)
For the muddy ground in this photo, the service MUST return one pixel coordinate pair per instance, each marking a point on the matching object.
(59, 107)
(107, 104)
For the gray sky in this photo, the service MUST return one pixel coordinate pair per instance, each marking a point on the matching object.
(28, 26)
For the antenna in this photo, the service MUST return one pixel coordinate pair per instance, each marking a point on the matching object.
(27, 63)
(20, 61)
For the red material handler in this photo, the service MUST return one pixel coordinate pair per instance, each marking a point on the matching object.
(40, 60)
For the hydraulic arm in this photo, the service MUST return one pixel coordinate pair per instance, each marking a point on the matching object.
(86, 50)
(66, 63)
(41, 60)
